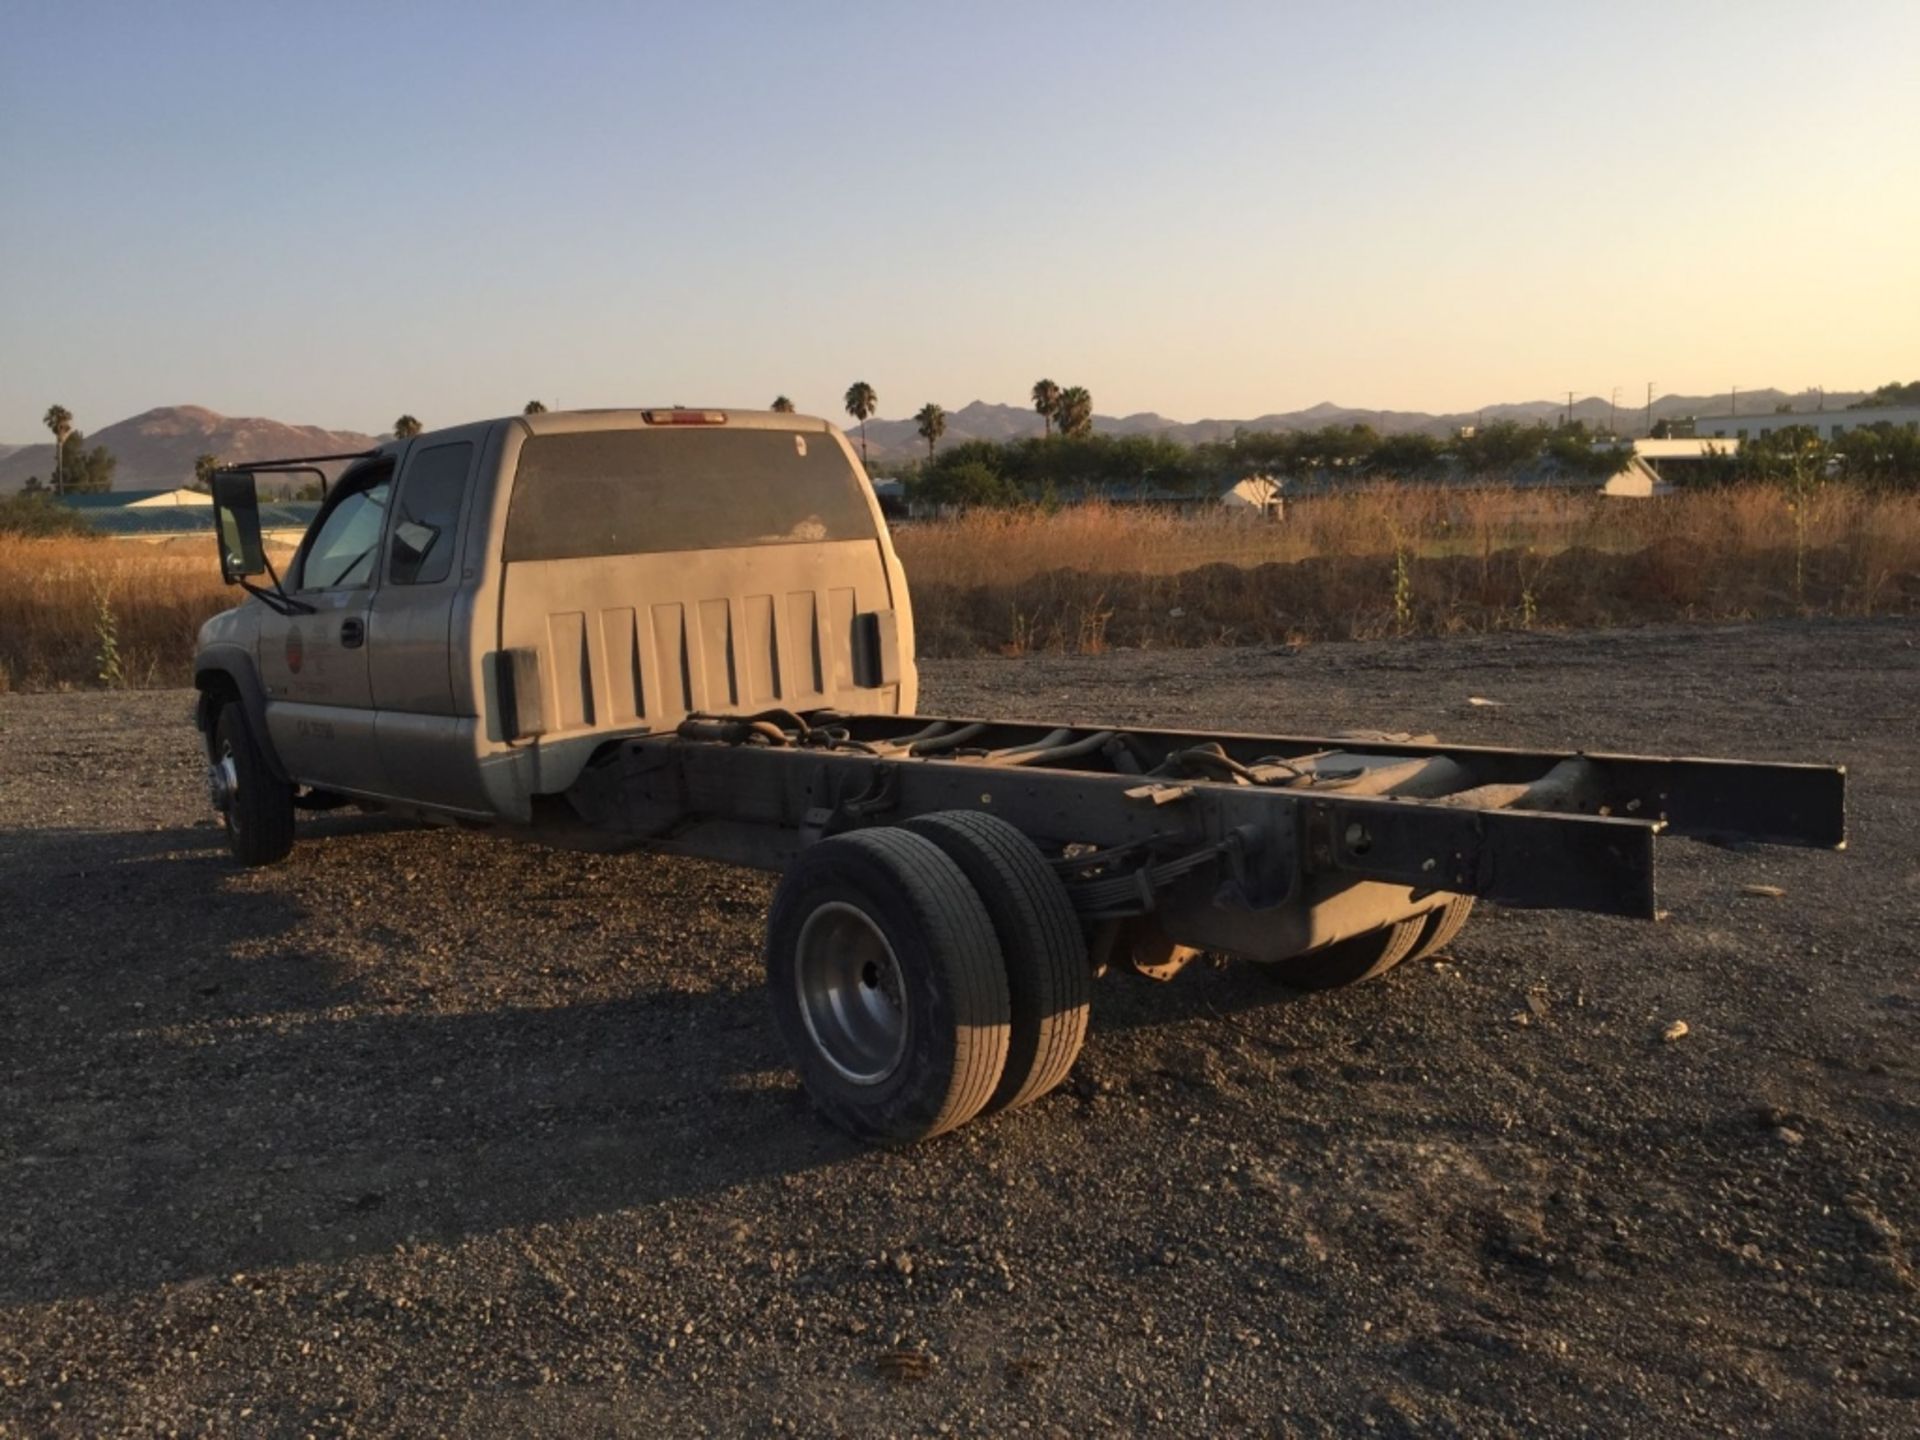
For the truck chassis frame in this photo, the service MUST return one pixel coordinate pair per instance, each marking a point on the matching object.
(1213, 834)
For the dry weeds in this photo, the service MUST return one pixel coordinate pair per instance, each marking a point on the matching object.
(1398, 560)
(69, 607)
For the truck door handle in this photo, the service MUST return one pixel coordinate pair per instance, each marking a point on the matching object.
(353, 631)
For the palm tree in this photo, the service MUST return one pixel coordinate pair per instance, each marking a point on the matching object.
(1046, 399)
(1075, 412)
(59, 420)
(782, 405)
(861, 402)
(932, 424)
(204, 465)
(533, 407)
(406, 427)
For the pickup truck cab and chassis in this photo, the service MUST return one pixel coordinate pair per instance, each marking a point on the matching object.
(688, 631)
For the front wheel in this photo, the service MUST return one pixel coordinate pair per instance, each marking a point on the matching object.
(256, 808)
(888, 985)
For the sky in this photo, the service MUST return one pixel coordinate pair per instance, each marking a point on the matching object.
(331, 214)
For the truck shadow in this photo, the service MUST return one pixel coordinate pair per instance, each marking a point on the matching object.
(195, 1086)
(107, 927)
(166, 1159)
(185, 1094)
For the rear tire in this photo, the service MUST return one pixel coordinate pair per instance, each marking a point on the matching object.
(1442, 926)
(258, 809)
(1049, 980)
(888, 985)
(1358, 958)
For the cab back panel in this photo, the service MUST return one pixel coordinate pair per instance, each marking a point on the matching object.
(641, 640)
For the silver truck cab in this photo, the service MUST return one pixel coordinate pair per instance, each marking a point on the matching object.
(476, 610)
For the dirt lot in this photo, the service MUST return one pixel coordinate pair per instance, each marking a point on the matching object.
(423, 1132)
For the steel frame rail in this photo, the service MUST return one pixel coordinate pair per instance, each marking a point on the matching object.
(734, 794)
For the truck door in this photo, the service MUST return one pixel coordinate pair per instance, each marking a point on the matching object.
(314, 666)
(426, 748)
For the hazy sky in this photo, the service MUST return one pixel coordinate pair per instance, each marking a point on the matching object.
(331, 213)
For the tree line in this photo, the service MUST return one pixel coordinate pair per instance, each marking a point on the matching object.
(1074, 462)
(1880, 456)
(1077, 462)
(1894, 393)
(1068, 459)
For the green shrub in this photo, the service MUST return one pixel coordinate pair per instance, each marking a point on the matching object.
(32, 514)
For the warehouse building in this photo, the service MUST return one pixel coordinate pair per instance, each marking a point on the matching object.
(157, 516)
(1827, 424)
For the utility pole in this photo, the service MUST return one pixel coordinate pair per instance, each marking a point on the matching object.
(1612, 405)
(1569, 409)
(1649, 408)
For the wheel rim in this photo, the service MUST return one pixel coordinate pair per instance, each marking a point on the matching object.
(223, 783)
(851, 994)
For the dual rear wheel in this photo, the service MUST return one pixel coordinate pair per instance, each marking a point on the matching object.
(926, 974)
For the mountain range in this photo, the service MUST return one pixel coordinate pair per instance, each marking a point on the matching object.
(158, 448)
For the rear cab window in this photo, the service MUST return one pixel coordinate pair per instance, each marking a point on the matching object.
(636, 492)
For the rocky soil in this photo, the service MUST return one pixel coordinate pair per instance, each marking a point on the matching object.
(423, 1132)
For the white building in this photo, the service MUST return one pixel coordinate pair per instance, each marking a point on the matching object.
(1828, 424)
(1657, 464)
(159, 516)
(1255, 495)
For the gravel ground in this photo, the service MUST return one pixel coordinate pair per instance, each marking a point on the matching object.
(423, 1132)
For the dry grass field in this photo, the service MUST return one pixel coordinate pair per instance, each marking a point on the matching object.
(1403, 560)
(1377, 562)
(92, 612)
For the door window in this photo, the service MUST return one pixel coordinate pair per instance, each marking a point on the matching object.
(426, 526)
(342, 554)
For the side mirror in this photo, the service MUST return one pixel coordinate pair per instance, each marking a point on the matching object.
(236, 513)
